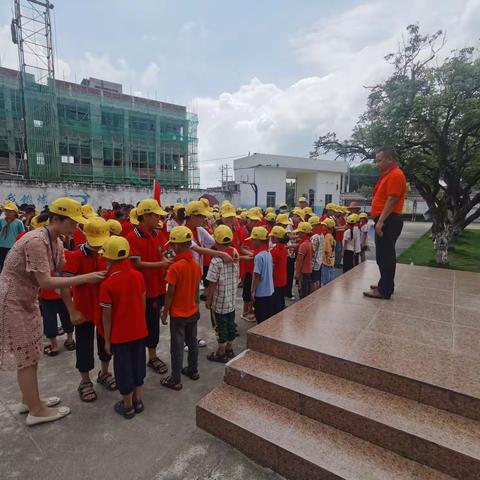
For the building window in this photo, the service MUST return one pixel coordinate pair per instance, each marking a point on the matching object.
(328, 198)
(311, 198)
(38, 123)
(67, 159)
(271, 197)
(40, 158)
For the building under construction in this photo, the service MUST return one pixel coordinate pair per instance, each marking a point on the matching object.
(95, 133)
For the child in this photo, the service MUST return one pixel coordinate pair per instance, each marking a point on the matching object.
(222, 292)
(122, 298)
(340, 227)
(115, 227)
(363, 225)
(303, 263)
(351, 243)
(318, 241)
(279, 238)
(183, 278)
(328, 264)
(84, 310)
(270, 218)
(262, 284)
(146, 245)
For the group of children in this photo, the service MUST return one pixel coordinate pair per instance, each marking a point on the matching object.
(156, 260)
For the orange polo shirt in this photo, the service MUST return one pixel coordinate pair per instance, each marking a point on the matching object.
(185, 274)
(390, 184)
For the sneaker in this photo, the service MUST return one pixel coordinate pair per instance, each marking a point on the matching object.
(202, 343)
(292, 298)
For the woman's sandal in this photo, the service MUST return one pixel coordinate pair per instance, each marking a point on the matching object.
(215, 357)
(87, 392)
(169, 382)
(69, 345)
(158, 366)
(48, 350)
(119, 407)
(107, 381)
(191, 375)
(138, 406)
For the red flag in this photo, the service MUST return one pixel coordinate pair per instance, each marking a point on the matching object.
(156, 191)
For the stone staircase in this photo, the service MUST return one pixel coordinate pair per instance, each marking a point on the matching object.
(316, 413)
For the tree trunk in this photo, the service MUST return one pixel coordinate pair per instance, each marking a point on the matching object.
(443, 235)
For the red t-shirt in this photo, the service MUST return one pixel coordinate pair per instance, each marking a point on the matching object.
(305, 249)
(185, 274)
(123, 291)
(127, 227)
(340, 222)
(279, 257)
(79, 237)
(85, 297)
(146, 246)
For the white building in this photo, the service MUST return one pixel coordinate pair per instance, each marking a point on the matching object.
(263, 180)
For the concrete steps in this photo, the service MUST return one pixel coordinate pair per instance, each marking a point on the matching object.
(447, 442)
(297, 446)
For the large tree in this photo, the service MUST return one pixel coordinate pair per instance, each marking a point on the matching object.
(429, 110)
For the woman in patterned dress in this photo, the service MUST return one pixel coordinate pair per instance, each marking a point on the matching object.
(34, 262)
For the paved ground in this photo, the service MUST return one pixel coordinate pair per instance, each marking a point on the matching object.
(94, 443)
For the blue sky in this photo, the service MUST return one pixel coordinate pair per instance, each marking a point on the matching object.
(263, 76)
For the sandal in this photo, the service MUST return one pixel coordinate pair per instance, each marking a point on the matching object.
(138, 406)
(169, 382)
(215, 357)
(48, 350)
(69, 345)
(191, 375)
(87, 393)
(107, 381)
(158, 366)
(119, 407)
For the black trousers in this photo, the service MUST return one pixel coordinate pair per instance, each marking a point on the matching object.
(305, 287)
(350, 260)
(152, 313)
(129, 365)
(290, 275)
(183, 331)
(385, 253)
(264, 308)
(3, 255)
(278, 300)
(49, 310)
(84, 337)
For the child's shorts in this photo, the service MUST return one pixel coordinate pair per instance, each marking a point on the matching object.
(317, 275)
(224, 326)
(247, 288)
(129, 365)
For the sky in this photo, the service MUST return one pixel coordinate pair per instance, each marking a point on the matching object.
(263, 75)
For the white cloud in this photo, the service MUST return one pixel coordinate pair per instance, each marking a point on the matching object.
(345, 53)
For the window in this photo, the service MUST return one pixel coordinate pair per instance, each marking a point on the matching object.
(75, 152)
(40, 158)
(271, 197)
(311, 198)
(38, 123)
(328, 198)
(67, 159)
(112, 119)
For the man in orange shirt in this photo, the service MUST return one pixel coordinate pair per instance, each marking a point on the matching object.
(387, 207)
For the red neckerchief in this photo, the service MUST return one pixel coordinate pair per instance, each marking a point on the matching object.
(306, 239)
(194, 233)
(263, 248)
(122, 266)
(187, 255)
(230, 251)
(149, 234)
(317, 231)
(382, 176)
(280, 246)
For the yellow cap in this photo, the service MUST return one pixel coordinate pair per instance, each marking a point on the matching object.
(270, 210)
(283, 219)
(258, 233)
(308, 211)
(302, 199)
(8, 205)
(228, 212)
(115, 227)
(353, 218)
(278, 232)
(283, 205)
(116, 248)
(299, 212)
(34, 223)
(363, 215)
(196, 208)
(205, 202)
(133, 216)
(303, 227)
(67, 207)
(180, 234)
(270, 217)
(223, 234)
(150, 205)
(329, 222)
(314, 220)
(88, 211)
(226, 203)
(253, 214)
(97, 231)
(330, 206)
(177, 207)
(243, 216)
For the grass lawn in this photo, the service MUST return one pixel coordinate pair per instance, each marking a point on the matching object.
(464, 255)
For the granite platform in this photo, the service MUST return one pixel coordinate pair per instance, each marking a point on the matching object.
(343, 386)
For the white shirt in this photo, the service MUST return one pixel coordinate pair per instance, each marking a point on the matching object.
(352, 244)
(205, 240)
